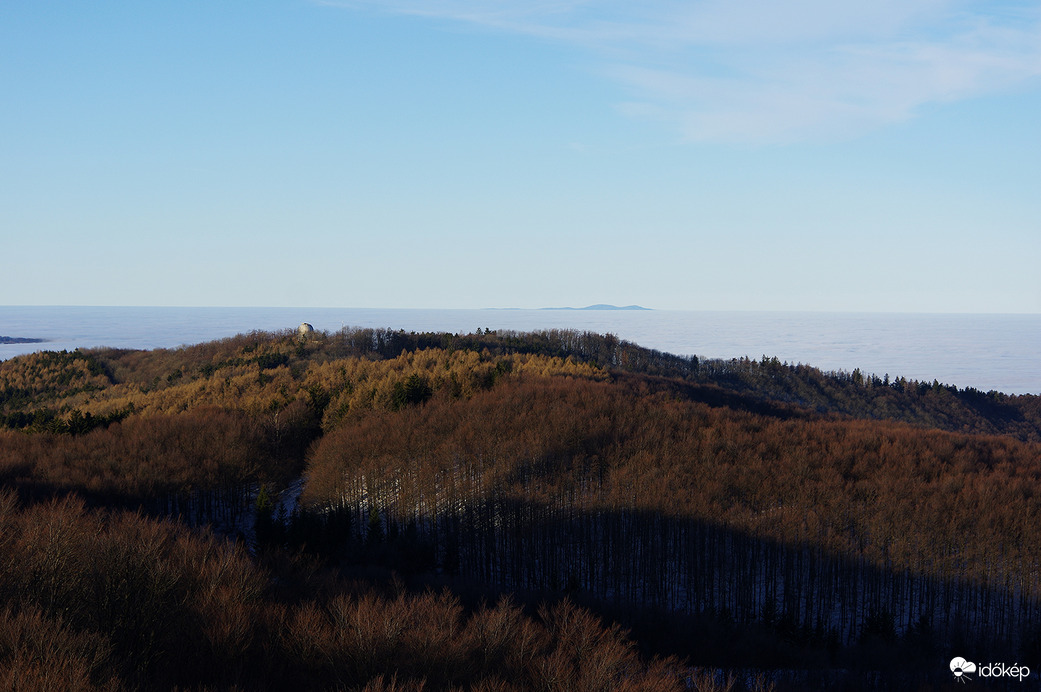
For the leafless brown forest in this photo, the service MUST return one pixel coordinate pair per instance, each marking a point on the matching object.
(499, 511)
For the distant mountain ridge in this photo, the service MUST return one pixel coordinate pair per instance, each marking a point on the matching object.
(602, 306)
(20, 340)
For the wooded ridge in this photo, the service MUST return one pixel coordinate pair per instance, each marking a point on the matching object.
(731, 514)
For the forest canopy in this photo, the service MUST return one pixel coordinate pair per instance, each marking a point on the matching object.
(329, 489)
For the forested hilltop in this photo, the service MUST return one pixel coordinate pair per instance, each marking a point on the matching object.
(492, 511)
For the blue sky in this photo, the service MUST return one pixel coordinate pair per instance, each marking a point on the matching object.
(749, 154)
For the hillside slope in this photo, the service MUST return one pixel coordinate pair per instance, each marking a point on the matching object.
(737, 513)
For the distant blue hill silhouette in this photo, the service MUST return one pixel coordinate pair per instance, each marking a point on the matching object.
(603, 306)
(19, 340)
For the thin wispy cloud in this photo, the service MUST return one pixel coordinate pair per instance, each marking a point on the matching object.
(768, 71)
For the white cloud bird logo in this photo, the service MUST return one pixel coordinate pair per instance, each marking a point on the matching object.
(960, 667)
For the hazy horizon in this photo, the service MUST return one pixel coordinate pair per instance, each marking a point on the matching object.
(520, 307)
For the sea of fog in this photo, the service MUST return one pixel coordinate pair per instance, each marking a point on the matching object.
(1000, 352)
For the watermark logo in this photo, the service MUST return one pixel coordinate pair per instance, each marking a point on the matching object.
(963, 670)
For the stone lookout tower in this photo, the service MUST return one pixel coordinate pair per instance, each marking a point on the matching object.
(304, 330)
